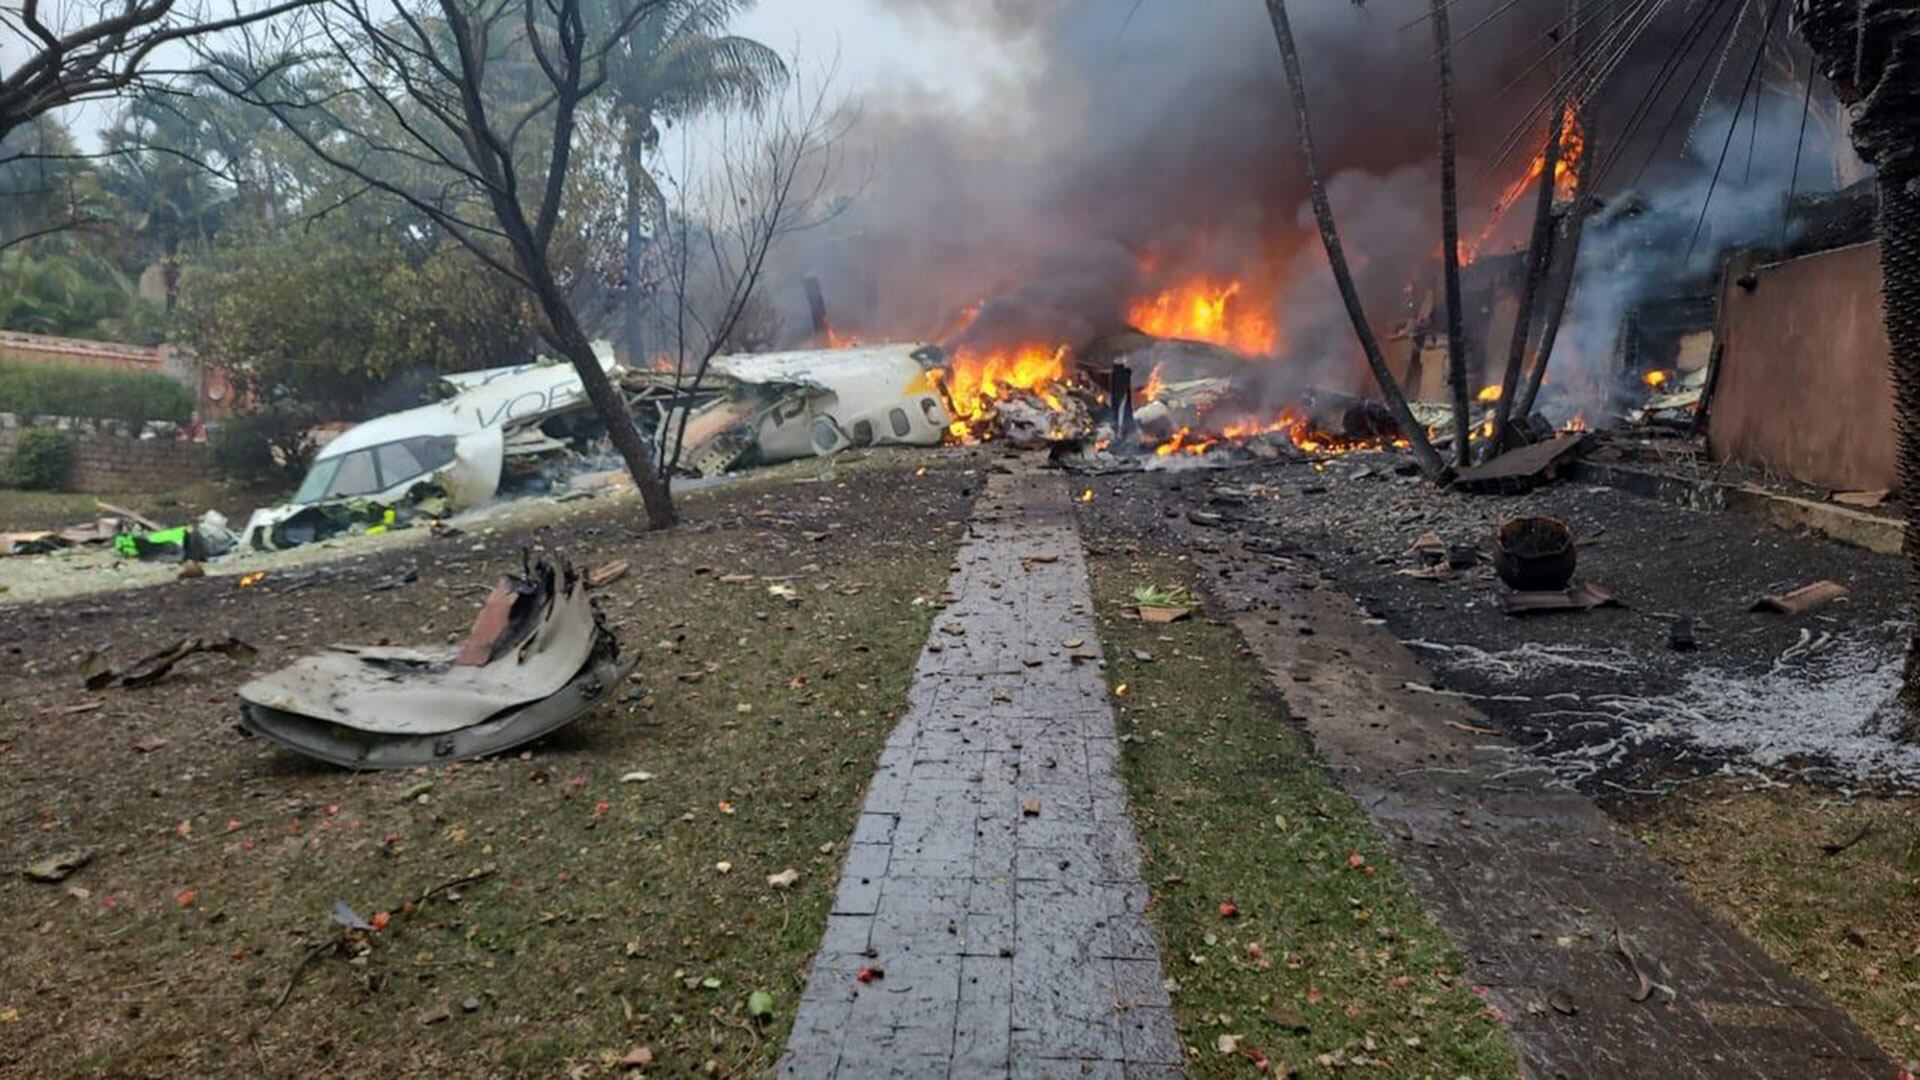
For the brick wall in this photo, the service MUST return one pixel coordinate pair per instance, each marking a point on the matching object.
(215, 396)
(108, 463)
(75, 352)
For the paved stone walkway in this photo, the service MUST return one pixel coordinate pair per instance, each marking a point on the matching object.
(994, 877)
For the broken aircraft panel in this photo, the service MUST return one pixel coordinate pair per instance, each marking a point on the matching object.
(539, 657)
(774, 407)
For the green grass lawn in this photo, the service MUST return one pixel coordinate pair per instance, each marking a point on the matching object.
(625, 909)
(22, 511)
(1848, 922)
(1288, 935)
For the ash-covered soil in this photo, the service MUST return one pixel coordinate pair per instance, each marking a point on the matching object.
(1601, 697)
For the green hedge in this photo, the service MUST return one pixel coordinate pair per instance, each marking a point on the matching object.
(34, 392)
(40, 461)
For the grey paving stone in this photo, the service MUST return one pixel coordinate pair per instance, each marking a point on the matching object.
(1034, 1067)
(1013, 943)
(1139, 984)
(875, 828)
(847, 935)
(1147, 1036)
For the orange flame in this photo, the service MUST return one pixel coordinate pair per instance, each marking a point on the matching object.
(1292, 420)
(961, 323)
(1566, 182)
(1155, 385)
(974, 382)
(1203, 310)
(838, 340)
(1656, 379)
(1185, 441)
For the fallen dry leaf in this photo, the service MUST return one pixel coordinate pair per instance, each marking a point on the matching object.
(58, 867)
(1865, 500)
(784, 879)
(602, 576)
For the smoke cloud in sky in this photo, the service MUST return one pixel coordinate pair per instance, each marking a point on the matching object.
(1122, 147)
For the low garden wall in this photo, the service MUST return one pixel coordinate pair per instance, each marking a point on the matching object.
(105, 463)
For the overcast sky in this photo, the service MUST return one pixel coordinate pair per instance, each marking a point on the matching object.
(878, 48)
(873, 48)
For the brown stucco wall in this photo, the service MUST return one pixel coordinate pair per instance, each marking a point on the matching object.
(1803, 386)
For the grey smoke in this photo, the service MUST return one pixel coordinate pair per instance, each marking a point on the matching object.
(1160, 134)
(1667, 236)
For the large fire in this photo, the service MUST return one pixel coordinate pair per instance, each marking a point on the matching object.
(1209, 311)
(976, 381)
(1291, 421)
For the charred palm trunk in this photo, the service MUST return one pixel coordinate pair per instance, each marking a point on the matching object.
(1566, 252)
(1900, 265)
(1390, 392)
(1539, 254)
(1450, 242)
(1870, 52)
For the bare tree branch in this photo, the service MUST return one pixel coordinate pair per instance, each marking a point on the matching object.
(759, 186)
(85, 60)
(442, 98)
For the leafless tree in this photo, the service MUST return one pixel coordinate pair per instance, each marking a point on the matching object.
(1390, 391)
(736, 193)
(468, 111)
(86, 50)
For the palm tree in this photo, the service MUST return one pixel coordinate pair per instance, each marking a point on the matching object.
(162, 174)
(678, 62)
(1870, 52)
(1383, 377)
(45, 187)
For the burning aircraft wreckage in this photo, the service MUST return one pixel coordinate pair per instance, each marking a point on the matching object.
(1127, 399)
(1134, 398)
